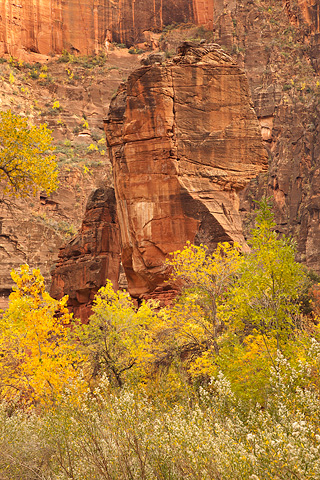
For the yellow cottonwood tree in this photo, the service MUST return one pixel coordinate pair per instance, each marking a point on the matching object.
(207, 276)
(38, 358)
(118, 337)
(26, 160)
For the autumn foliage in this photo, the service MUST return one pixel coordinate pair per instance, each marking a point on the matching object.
(38, 358)
(235, 312)
(26, 159)
(223, 384)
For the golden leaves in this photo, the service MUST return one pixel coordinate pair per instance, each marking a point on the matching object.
(39, 358)
(27, 163)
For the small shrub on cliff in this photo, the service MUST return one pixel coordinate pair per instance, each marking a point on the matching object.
(135, 51)
(34, 73)
(65, 57)
(84, 61)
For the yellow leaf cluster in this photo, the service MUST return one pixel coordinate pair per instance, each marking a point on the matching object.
(38, 358)
(118, 336)
(26, 159)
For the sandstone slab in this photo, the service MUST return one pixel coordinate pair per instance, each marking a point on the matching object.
(183, 140)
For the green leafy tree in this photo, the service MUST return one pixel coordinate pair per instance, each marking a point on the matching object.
(26, 160)
(265, 298)
(262, 313)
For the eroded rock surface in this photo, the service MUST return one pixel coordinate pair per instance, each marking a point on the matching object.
(33, 230)
(183, 140)
(83, 26)
(277, 43)
(90, 257)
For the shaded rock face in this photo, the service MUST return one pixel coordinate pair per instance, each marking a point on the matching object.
(32, 230)
(310, 10)
(49, 26)
(277, 44)
(24, 245)
(91, 257)
(183, 140)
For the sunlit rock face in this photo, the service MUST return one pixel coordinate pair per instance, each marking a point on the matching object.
(49, 26)
(184, 140)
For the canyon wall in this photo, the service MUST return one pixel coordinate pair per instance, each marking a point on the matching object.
(34, 229)
(183, 140)
(277, 43)
(83, 26)
(310, 10)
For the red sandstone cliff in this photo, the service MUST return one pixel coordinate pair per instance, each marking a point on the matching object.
(276, 42)
(278, 46)
(49, 26)
(183, 140)
(90, 257)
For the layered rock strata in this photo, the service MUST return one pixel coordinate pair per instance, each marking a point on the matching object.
(90, 257)
(84, 26)
(183, 140)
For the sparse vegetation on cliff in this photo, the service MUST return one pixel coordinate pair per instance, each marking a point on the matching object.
(41, 229)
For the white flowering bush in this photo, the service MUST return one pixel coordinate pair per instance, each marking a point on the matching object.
(24, 453)
(211, 436)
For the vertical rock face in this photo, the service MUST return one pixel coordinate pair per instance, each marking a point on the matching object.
(184, 140)
(278, 44)
(310, 10)
(48, 26)
(91, 257)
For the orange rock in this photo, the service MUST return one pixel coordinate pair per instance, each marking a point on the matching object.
(84, 26)
(91, 257)
(309, 10)
(88, 26)
(183, 139)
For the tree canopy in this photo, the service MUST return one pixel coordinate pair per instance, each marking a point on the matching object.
(27, 163)
(38, 358)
